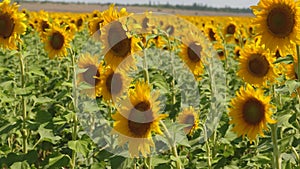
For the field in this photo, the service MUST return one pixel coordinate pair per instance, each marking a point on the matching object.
(86, 86)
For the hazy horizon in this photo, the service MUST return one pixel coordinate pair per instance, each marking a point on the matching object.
(210, 3)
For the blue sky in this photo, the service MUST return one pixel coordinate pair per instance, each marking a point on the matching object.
(212, 3)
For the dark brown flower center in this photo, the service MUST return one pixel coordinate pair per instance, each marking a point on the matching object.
(145, 23)
(281, 21)
(7, 25)
(211, 35)
(194, 52)
(230, 29)
(258, 65)
(114, 83)
(45, 25)
(253, 111)
(170, 29)
(79, 22)
(118, 41)
(89, 75)
(57, 40)
(140, 119)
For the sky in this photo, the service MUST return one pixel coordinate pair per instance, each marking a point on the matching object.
(211, 3)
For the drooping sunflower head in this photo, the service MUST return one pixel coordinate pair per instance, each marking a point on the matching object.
(256, 66)
(278, 23)
(12, 25)
(189, 117)
(56, 41)
(137, 119)
(250, 112)
(91, 74)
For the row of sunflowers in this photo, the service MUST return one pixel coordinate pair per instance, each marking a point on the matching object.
(114, 89)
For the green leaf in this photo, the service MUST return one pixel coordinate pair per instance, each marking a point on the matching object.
(79, 146)
(58, 162)
(20, 165)
(157, 161)
(47, 134)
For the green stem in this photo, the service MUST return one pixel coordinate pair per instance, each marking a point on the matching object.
(172, 144)
(276, 153)
(207, 147)
(23, 101)
(75, 120)
(298, 63)
(145, 65)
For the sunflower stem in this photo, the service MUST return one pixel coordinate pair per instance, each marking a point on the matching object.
(276, 153)
(172, 144)
(23, 101)
(145, 65)
(298, 73)
(207, 147)
(75, 120)
(298, 63)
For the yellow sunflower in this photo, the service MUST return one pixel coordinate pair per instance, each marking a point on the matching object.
(256, 66)
(118, 45)
(278, 23)
(190, 117)
(95, 25)
(112, 14)
(113, 82)
(12, 25)
(137, 119)
(211, 33)
(56, 41)
(291, 70)
(91, 75)
(43, 23)
(192, 53)
(250, 112)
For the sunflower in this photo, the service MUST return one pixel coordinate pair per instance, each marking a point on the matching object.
(256, 66)
(211, 33)
(91, 75)
(250, 112)
(43, 22)
(56, 41)
(229, 31)
(220, 51)
(112, 14)
(291, 70)
(190, 117)
(192, 51)
(137, 119)
(113, 82)
(95, 25)
(12, 25)
(278, 23)
(118, 45)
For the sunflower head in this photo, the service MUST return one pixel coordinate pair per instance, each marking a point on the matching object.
(91, 74)
(278, 23)
(12, 25)
(192, 53)
(250, 112)
(137, 119)
(56, 41)
(256, 66)
(189, 117)
(118, 45)
(113, 82)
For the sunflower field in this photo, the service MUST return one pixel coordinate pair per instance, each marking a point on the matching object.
(113, 89)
